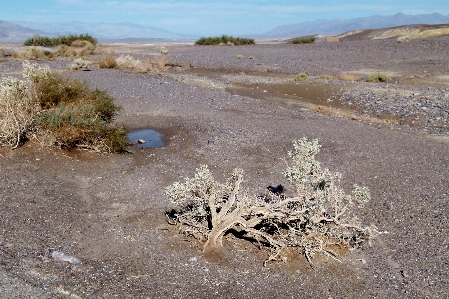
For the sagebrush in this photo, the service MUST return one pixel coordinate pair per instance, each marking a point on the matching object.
(317, 216)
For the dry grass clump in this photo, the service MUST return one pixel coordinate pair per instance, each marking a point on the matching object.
(58, 110)
(353, 115)
(315, 217)
(77, 49)
(327, 77)
(82, 48)
(349, 77)
(108, 62)
(127, 62)
(157, 65)
(378, 77)
(34, 54)
(301, 77)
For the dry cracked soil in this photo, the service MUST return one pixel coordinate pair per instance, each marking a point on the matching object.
(79, 224)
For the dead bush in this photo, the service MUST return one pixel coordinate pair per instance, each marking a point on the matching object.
(108, 62)
(19, 106)
(80, 63)
(317, 216)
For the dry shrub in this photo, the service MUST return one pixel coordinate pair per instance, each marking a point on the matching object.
(76, 51)
(80, 63)
(6, 52)
(104, 50)
(349, 77)
(58, 110)
(378, 77)
(19, 105)
(313, 219)
(34, 54)
(81, 43)
(404, 39)
(327, 77)
(108, 62)
(154, 66)
(157, 65)
(127, 62)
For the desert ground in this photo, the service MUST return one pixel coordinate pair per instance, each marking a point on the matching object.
(105, 213)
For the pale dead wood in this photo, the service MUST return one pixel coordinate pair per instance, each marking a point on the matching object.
(317, 217)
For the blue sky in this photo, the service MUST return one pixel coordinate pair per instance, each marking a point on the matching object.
(209, 17)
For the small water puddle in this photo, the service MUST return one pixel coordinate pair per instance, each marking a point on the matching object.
(146, 138)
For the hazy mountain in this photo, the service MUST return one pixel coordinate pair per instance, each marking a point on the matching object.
(336, 26)
(12, 33)
(106, 30)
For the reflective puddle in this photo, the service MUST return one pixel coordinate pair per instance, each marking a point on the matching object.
(146, 138)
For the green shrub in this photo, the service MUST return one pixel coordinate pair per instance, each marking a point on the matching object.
(301, 77)
(306, 40)
(65, 111)
(224, 39)
(378, 77)
(60, 40)
(240, 56)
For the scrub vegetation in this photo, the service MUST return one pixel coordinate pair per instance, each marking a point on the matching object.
(57, 111)
(224, 40)
(68, 40)
(305, 40)
(315, 218)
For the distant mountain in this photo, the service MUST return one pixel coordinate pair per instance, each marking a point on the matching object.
(403, 33)
(108, 31)
(337, 26)
(12, 33)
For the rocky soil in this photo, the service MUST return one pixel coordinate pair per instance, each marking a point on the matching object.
(84, 225)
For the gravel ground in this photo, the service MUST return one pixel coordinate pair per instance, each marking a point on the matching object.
(108, 211)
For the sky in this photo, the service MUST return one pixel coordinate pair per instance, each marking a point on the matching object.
(209, 17)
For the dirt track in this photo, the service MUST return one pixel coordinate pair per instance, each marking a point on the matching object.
(108, 211)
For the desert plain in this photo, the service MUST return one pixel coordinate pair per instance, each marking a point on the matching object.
(228, 107)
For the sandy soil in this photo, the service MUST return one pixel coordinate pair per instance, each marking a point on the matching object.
(107, 211)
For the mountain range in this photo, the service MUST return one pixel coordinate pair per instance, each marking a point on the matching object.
(21, 30)
(338, 26)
